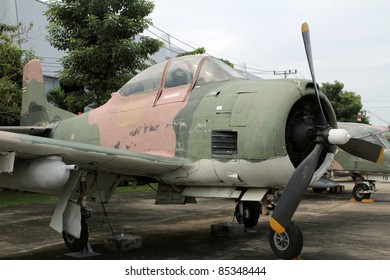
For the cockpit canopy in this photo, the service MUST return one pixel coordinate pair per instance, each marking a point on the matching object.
(194, 70)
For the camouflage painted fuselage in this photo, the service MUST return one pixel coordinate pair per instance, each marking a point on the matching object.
(195, 121)
(225, 129)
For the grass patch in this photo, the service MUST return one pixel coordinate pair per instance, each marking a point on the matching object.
(14, 198)
(126, 189)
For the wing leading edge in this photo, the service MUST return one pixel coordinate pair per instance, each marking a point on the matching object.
(89, 156)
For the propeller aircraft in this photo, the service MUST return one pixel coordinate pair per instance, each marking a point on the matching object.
(364, 173)
(191, 124)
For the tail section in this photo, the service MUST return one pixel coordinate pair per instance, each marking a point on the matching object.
(36, 111)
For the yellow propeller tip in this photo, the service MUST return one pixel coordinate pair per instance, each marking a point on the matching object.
(380, 155)
(276, 226)
(305, 27)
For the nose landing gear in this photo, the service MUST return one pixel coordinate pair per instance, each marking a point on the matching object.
(287, 245)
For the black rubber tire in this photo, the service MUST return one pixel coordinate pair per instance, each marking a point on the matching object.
(357, 192)
(318, 190)
(287, 245)
(252, 210)
(77, 244)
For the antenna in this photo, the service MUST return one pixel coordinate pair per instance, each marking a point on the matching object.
(285, 73)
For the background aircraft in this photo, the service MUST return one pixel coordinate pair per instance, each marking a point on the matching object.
(191, 124)
(364, 173)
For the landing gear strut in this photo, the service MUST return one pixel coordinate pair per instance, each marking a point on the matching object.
(77, 244)
(287, 245)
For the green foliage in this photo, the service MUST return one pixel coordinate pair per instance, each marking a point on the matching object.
(200, 50)
(103, 49)
(73, 102)
(346, 104)
(227, 62)
(11, 72)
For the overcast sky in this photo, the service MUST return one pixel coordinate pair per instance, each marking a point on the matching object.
(350, 39)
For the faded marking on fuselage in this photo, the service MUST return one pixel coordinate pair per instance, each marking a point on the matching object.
(145, 129)
(135, 132)
(180, 124)
(35, 108)
(200, 127)
(150, 128)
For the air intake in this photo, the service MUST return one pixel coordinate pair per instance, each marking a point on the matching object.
(224, 142)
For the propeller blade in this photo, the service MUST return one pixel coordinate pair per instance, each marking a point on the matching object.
(364, 149)
(307, 44)
(294, 191)
(301, 178)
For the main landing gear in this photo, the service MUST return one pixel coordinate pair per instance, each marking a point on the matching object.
(249, 214)
(362, 190)
(77, 244)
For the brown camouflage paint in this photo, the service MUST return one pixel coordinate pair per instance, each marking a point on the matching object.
(133, 123)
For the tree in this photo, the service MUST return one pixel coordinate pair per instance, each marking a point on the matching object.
(200, 50)
(103, 46)
(11, 71)
(346, 104)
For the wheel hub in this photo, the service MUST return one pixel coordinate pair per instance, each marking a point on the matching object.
(281, 241)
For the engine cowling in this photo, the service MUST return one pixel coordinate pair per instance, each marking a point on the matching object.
(301, 125)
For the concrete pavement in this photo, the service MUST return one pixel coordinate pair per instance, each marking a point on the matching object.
(333, 228)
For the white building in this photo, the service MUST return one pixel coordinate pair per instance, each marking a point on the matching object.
(32, 11)
(27, 12)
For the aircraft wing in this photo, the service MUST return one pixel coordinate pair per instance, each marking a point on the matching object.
(88, 156)
(357, 130)
(324, 183)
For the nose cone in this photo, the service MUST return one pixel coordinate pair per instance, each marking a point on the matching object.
(338, 136)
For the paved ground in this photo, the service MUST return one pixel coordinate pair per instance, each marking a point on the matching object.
(333, 228)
